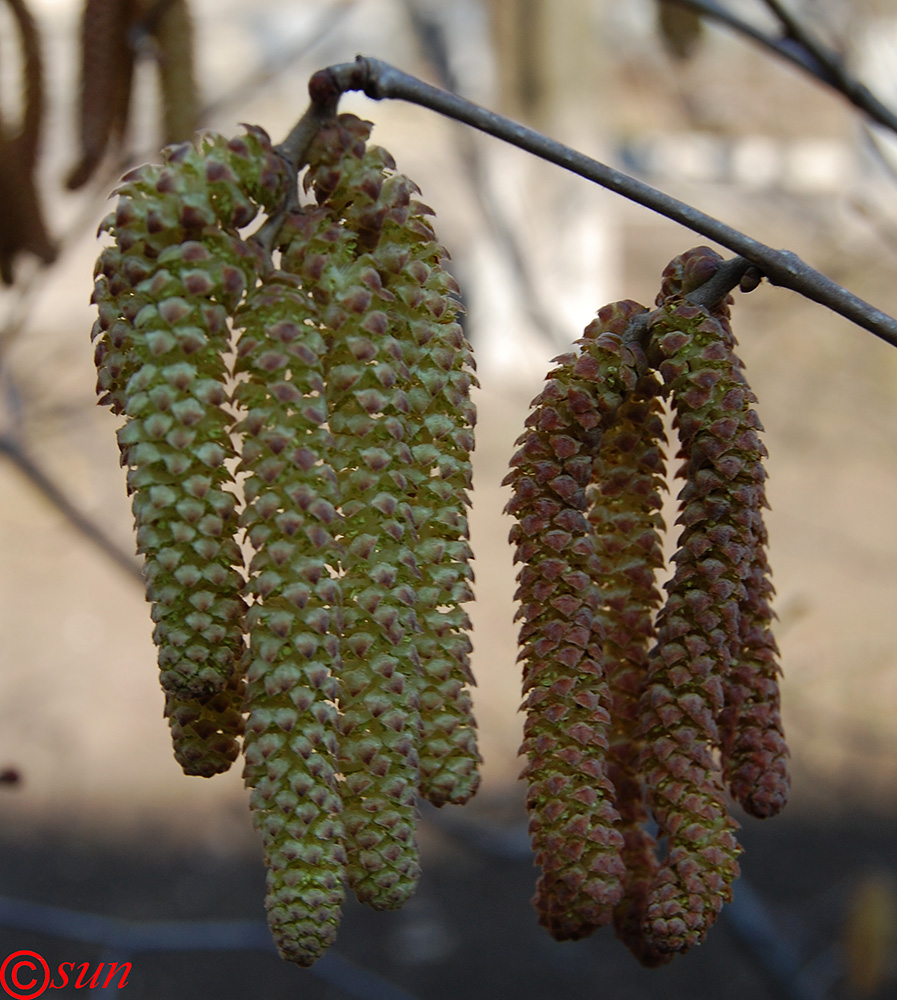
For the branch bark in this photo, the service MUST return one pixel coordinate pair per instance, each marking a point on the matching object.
(379, 81)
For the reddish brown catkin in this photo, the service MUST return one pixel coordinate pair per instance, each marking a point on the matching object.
(107, 67)
(574, 823)
(701, 629)
(174, 35)
(625, 501)
(22, 225)
(727, 457)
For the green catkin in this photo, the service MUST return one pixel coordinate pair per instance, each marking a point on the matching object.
(291, 744)
(378, 690)
(624, 511)
(165, 292)
(440, 438)
(574, 822)
(205, 735)
(359, 183)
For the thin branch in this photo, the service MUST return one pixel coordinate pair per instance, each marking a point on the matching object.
(57, 497)
(378, 80)
(799, 48)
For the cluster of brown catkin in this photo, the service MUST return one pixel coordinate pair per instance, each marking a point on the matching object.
(639, 713)
(305, 390)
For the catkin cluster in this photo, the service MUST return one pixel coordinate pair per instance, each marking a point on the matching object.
(639, 713)
(302, 395)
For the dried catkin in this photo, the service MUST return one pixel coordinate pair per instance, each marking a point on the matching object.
(574, 822)
(173, 33)
(22, 225)
(107, 68)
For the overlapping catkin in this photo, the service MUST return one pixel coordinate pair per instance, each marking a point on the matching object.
(367, 405)
(574, 822)
(624, 512)
(674, 688)
(428, 350)
(724, 465)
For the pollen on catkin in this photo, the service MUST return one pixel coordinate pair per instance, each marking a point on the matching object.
(420, 299)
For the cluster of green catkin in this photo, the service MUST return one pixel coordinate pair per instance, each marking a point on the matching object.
(640, 712)
(302, 394)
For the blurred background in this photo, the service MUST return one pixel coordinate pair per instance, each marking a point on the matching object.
(95, 817)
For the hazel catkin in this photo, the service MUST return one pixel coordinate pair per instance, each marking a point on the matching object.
(294, 623)
(165, 292)
(574, 821)
(684, 696)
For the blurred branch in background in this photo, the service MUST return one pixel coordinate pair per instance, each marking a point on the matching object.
(58, 497)
(797, 45)
(122, 939)
(432, 41)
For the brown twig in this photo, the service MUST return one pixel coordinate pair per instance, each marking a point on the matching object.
(378, 80)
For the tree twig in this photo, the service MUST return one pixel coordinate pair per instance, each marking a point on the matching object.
(378, 80)
(802, 50)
